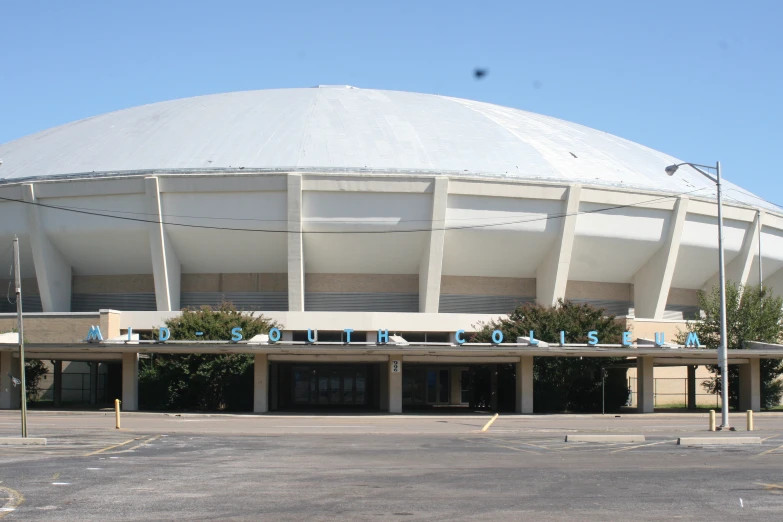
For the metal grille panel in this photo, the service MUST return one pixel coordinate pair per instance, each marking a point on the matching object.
(129, 302)
(610, 306)
(480, 304)
(248, 301)
(30, 303)
(361, 302)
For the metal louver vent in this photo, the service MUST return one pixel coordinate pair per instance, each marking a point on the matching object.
(247, 301)
(360, 302)
(480, 304)
(129, 302)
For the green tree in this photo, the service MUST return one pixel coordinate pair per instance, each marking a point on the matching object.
(34, 369)
(751, 315)
(567, 383)
(203, 381)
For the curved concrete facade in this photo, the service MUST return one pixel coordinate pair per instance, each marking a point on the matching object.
(342, 199)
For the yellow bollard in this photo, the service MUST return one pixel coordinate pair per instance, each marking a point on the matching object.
(117, 412)
(750, 420)
(712, 420)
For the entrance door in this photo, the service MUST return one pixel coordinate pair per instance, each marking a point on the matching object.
(438, 386)
(328, 385)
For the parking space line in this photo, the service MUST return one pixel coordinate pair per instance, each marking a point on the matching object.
(109, 448)
(642, 445)
(13, 500)
(500, 446)
(768, 451)
(142, 443)
(518, 442)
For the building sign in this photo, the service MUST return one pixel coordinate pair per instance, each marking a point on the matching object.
(275, 335)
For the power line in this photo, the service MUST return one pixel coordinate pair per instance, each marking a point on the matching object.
(753, 196)
(232, 229)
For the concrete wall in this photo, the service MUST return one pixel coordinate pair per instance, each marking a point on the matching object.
(244, 282)
(48, 328)
(380, 283)
(472, 285)
(112, 284)
(683, 296)
(598, 290)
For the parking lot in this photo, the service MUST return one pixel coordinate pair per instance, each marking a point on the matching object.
(247, 467)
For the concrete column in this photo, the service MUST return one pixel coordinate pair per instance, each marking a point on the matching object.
(295, 252)
(130, 381)
(58, 383)
(493, 398)
(395, 384)
(552, 273)
(52, 270)
(274, 379)
(524, 385)
(431, 265)
(750, 386)
(261, 383)
(455, 386)
(9, 394)
(645, 391)
(383, 386)
(93, 383)
(166, 269)
(692, 387)
(652, 281)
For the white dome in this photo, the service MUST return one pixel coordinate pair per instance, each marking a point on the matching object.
(344, 128)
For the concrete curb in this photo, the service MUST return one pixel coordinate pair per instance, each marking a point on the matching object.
(717, 441)
(21, 441)
(605, 438)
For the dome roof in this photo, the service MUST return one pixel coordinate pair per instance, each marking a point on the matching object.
(344, 128)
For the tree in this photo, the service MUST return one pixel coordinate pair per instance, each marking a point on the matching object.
(203, 381)
(34, 369)
(566, 383)
(752, 314)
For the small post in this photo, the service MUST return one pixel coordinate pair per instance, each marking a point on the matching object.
(712, 420)
(117, 413)
(603, 394)
(750, 420)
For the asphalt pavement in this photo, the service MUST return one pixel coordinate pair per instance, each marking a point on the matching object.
(246, 467)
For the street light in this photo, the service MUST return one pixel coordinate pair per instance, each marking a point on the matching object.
(722, 349)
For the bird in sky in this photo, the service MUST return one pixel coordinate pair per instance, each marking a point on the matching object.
(479, 73)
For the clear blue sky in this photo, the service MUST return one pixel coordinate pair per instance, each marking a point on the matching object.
(697, 79)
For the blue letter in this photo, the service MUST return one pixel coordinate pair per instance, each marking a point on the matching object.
(458, 336)
(562, 337)
(592, 337)
(274, 335)
(130, 333)
(627, 339)
(94, 334)
(312, 336)
(236, 334)
(348, 335)
(383, 336)
(533, 340)
(659, 340)
(163, 334)
(497, 337)
(693, 340)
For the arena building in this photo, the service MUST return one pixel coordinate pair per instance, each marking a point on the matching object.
(336, 208)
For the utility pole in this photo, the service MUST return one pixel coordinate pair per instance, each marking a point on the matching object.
(20, 327)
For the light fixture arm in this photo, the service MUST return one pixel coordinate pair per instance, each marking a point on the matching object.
(698, 168)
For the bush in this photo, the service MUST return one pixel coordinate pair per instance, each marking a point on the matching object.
(202, 381)
(567, 383)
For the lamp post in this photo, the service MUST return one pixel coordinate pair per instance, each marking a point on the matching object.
(722, 349)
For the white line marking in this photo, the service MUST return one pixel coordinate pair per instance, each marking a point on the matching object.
(61, 483)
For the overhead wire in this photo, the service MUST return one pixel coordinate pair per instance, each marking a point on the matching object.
(273, 231)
